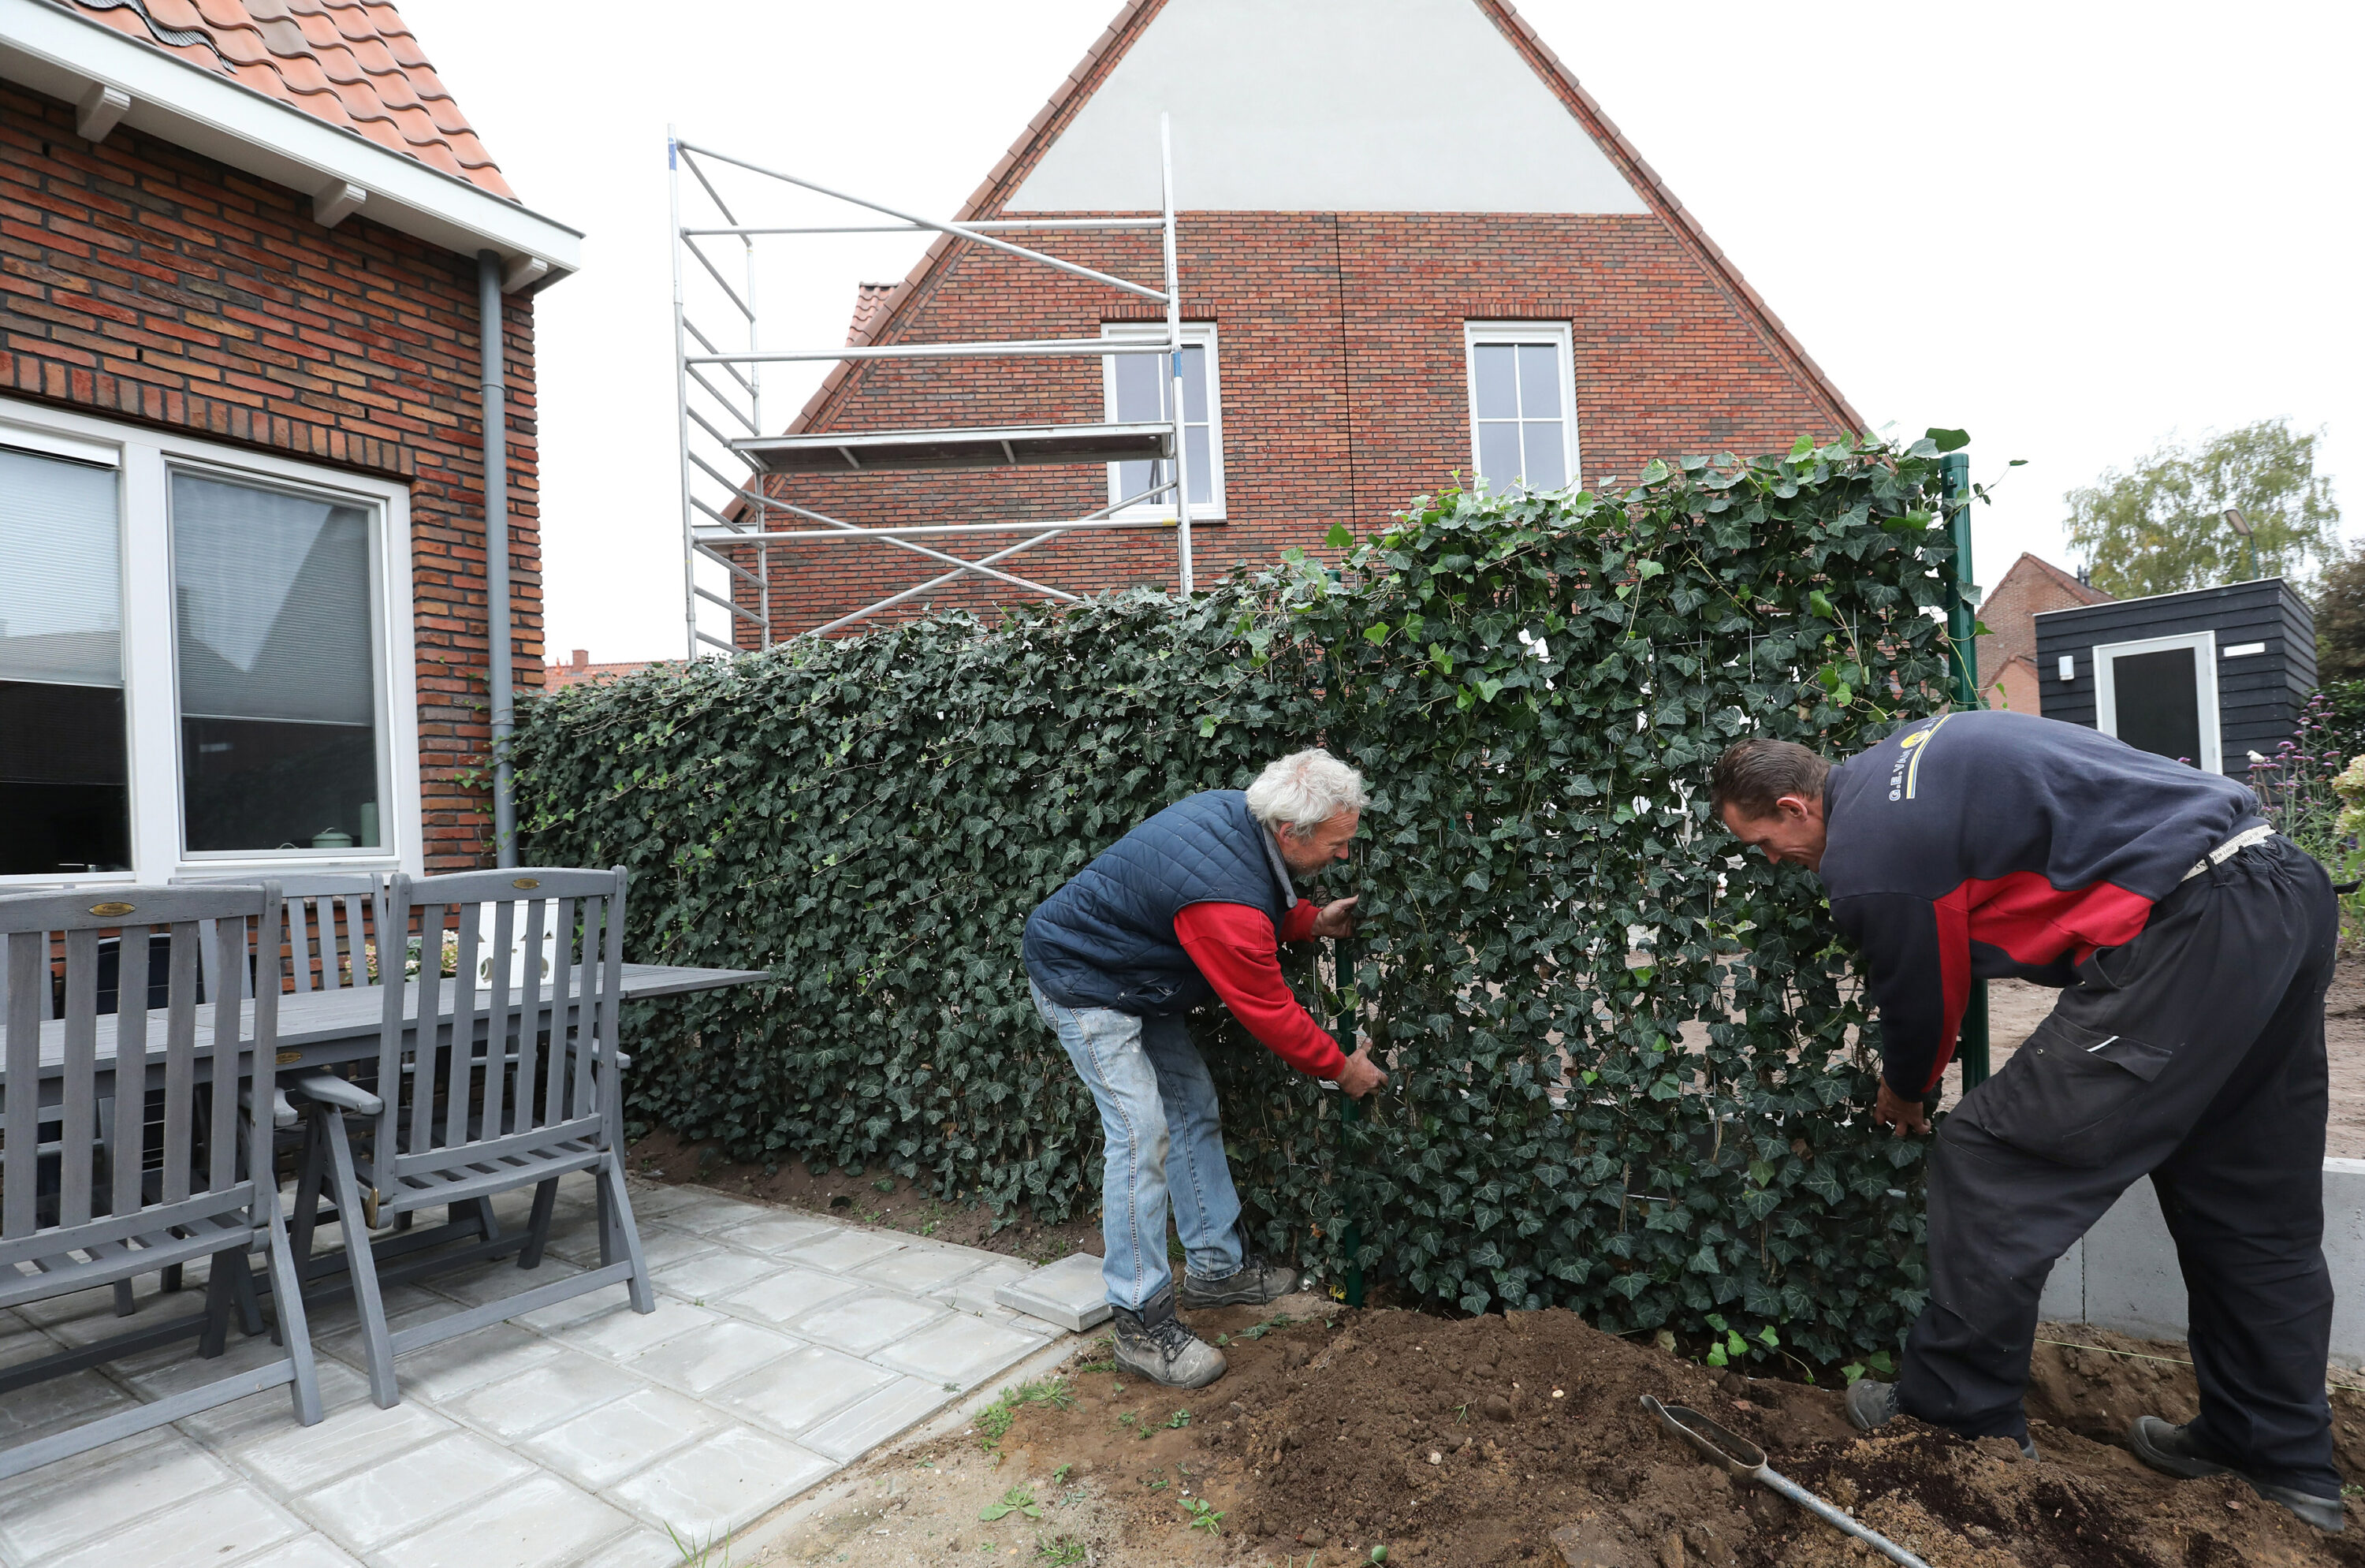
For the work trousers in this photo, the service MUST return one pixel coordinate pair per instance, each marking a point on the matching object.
(2194, 1054)
(1164, 1143)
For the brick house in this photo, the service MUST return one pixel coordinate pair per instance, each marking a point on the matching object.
(1408, 252)
(2007, 655)
(242, 494)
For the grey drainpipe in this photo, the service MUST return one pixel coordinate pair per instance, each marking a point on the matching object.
(500, 648)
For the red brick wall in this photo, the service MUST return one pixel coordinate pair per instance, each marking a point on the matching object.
(2006, 654)
(146, 284)
(1342, 371)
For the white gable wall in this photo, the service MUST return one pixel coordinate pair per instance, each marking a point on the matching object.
(1327, 106)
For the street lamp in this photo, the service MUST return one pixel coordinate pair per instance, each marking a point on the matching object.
(2241, 525)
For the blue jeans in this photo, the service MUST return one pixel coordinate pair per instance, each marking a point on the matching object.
(1158, 1118)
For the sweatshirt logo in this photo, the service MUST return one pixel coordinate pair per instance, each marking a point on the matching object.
(1905, 776)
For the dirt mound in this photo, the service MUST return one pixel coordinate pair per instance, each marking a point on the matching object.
(1522, 1440)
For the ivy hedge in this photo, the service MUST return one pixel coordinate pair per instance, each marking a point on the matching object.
(1627, 1072)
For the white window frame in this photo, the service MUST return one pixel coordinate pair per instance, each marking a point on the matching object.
(1201, 334)
(144, 460)
(2204, 687)
(1563, 338)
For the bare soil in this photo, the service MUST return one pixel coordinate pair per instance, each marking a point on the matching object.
(1522, 1440)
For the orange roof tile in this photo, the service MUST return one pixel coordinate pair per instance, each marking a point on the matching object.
(351, 62)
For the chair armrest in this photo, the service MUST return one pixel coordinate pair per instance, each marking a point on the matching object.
(283, 1113)
(328, 1089)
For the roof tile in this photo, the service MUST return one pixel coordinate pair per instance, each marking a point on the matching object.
(353, 63)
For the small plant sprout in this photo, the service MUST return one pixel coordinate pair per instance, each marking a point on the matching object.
(1204, 1514)
(696, 1554)
(1061, 1549)
(1017, 1500)
(1061, 1474)
(1180, 1418)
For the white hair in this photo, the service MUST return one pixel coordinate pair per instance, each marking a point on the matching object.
(1305, 789)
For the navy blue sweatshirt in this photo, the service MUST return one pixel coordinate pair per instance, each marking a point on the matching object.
(1981, 845)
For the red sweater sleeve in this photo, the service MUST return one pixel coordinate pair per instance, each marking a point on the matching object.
(1234, 947)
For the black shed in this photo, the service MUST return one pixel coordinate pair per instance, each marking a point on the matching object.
(2210, 676)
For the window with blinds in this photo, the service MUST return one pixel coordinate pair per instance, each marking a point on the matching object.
(65, 767)
(275, 628)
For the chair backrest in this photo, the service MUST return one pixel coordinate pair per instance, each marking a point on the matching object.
(532, 1079)
(323, 952)
(100, 1195)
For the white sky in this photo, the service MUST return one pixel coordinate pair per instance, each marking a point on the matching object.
(2071, 229)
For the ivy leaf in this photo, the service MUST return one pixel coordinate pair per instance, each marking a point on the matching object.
(1654, 471)
(1377, 634)
(1948, 440)
(1338, 538)
(1820, 602)
(1649, 569)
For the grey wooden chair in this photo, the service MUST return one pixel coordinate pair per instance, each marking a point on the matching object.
(79, 1210)
(324, 953)
(494, 1090)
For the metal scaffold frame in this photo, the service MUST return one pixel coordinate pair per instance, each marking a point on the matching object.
(729, 523)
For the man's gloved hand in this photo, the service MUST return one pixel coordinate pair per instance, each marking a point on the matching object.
(1361, 1075)
(1336, 919)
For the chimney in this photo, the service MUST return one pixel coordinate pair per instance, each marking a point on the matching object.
(2085, 575)
(582, 658)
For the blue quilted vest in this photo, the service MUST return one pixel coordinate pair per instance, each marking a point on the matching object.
(1106, 938)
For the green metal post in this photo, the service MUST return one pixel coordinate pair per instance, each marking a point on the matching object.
(1350, 1114)
(1955, 474)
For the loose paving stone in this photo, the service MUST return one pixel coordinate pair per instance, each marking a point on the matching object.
(863, 1426)
(538, 1524)
(790, 1294)
(773, 1237)
(410, 1490)
(973, 1292)
(44, 1520)
(558, 1389)
(603, 1446)
(722, 1484)
(960, 1350)
(296, 1459)
(920, 1270)
(202, 1532)
(802, 1388)
(697, 1363)
(714, 1274)
(846, 1252)
(621, 1333)
(1069, 1293)
(866, 1322)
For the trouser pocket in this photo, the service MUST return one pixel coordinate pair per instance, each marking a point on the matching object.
(2066, 1094)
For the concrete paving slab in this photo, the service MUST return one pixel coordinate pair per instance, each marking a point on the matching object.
(540, 1524)
(701, 1362)
(1070, 1294)
(44, 1520)
(973, 1292)
(725, 1482)
(800, 1389)
(573, 1310)
(602, 1447)
(846, 1252)
(293, 1460)
(789, 1293)
(864, 1324)
(960, 1350)
(920, 1270)
(272, 1410)
(713, 1274)
(410, 1490)
(218, 1527)
(503, 1277)
(451, 1369)
(190, 1370)
(776, 1236)
(620, 1334)
(314, 1551)
(642, 1549)
(661, 1248)
(872, 1420)
(708, 1212)
(558, 1389)
(29, 1412)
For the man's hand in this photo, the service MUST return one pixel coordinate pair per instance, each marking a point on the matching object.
(1361, 1075)
(1899, 1114)
(1336, 919)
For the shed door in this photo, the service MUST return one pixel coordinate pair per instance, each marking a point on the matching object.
(2160, 696)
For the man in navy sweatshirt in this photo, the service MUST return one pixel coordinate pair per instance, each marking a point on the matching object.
(1190, 907)
(2192, 947)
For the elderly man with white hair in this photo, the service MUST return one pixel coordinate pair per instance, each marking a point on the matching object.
(1189, 907)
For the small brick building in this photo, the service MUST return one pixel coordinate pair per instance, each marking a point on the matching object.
(1408, 252)
(243, 511)
(2008, 653)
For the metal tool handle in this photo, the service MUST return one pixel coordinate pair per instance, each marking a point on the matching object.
(1777, 1481)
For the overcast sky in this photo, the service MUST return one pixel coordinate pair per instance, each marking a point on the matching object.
(2074, 229)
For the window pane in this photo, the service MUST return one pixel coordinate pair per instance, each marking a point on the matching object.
(1132, 478)
(1195, 382)
(1491, 368)
(1539, 381)
(1499, 453)
(1545, 469)
(278, 696)
(64, 795)
(1140, 387)
(1203, 468)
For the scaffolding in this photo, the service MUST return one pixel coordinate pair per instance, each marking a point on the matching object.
(730, 519)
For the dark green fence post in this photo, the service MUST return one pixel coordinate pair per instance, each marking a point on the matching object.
(1351, 1115)
(1962, 622)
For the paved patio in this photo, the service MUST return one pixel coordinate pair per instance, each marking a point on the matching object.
(783, 1347)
